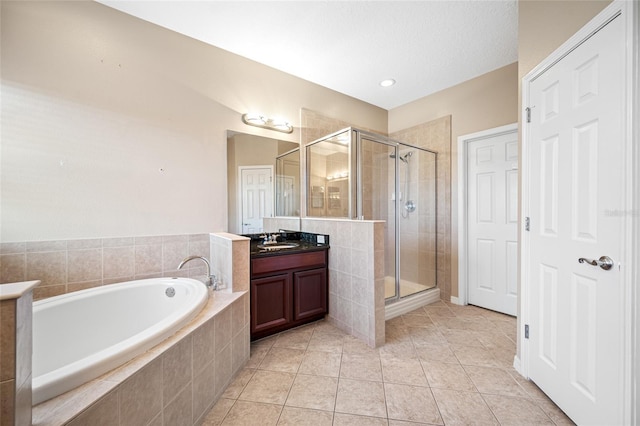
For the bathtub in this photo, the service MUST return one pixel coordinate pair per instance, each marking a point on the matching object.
(79, 336)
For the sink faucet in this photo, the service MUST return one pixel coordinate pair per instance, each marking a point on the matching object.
(211, 279)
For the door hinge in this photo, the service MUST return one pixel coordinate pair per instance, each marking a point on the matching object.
(527, 111)
(526, 331)
(526, 223)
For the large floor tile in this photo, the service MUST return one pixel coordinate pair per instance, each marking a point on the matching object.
(361, 397)
(268, 386)
(463, 408)
(516, 411)
(292, 416)
(411, 403)
(245, 413)
(407, 371)
(321, 364)
(442, 375)
(361, 366)
(314, 392)
(282, 359)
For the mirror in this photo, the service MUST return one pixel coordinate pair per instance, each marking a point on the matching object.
(263, 180)
(329, 166)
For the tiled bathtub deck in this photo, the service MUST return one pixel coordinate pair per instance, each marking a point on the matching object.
(442, 364)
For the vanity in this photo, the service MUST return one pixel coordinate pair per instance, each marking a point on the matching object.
(289, 281)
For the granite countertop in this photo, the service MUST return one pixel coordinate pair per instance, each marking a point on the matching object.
(306, 242)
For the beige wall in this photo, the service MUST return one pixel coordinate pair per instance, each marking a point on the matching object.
(112, 126)
(481, 103)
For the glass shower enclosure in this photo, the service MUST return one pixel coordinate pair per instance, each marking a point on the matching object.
(361, 175)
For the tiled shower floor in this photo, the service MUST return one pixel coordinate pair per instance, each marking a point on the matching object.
(442, 364)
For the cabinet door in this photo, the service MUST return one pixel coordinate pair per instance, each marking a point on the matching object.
(270, 302)
(310, 293)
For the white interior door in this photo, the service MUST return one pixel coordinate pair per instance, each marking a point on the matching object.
(257, 197)
(576, 169)
(492, 222)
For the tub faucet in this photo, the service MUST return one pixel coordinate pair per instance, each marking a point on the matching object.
(211, 278)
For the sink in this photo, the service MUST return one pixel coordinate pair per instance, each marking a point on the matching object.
(278, 246)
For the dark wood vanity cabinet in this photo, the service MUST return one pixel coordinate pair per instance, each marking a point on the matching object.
(287, 291)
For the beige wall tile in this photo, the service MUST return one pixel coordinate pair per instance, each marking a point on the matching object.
(203, 339)
(13, 248)
(43, 292)
(148, 258)
(7, 401)
(173, 252)
(179, 411)
(176, 368)
(84, 244)
(141, 395)
(223, 329)
(44, 246)
(223, 365)
(84, 265)
(118, 261)
(8, 339)
(48, 267)
(105, 412)
(203, 389)
(13, 268)
(118, 242)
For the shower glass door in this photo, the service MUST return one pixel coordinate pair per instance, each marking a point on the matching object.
(416, 219)
(376, 194)
(397, 184)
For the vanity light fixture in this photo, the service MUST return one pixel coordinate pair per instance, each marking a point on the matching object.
(258, 120)
(388, 82)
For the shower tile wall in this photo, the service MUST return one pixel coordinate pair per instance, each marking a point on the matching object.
(436, 136)
(69, 265)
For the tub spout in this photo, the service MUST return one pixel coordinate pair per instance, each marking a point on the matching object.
(211, 278)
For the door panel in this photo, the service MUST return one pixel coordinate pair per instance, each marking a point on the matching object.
(576, 177)
(492, 199)
(257, 198)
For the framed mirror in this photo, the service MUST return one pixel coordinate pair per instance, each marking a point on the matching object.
(263, 180)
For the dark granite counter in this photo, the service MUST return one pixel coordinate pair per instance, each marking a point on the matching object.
(305, 242)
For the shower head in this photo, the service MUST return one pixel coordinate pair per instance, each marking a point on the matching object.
(404, 158)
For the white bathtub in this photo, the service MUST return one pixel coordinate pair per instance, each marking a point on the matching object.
(82, 335)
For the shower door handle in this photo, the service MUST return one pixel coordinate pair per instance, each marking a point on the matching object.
(604, 262)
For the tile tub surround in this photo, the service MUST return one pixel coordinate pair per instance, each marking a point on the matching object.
(68, 265)
(179, 379)
(356, 276)
(16, 307)
(230, 260)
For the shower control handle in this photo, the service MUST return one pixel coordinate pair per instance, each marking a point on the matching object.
(604, 262)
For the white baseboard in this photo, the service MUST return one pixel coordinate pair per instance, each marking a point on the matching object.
(410, 303)
(517, 365)
(455, 300)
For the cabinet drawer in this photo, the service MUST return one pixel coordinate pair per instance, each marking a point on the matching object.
(308, 260)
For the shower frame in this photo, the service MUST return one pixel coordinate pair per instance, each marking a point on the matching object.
(356, 191)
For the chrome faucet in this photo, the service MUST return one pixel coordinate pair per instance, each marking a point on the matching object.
(211, 278)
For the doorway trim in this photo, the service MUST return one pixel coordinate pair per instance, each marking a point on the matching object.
(239, 205)
(631, 210)
(463, 145)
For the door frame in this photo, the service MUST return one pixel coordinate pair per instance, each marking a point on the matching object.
(240, 188)
(463, 174)
(631, 212)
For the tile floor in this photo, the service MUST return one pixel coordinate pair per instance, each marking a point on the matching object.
(442, 365)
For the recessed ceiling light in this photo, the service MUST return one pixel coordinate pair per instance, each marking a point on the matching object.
(388, 82)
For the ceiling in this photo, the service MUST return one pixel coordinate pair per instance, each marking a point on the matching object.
(350, 46)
